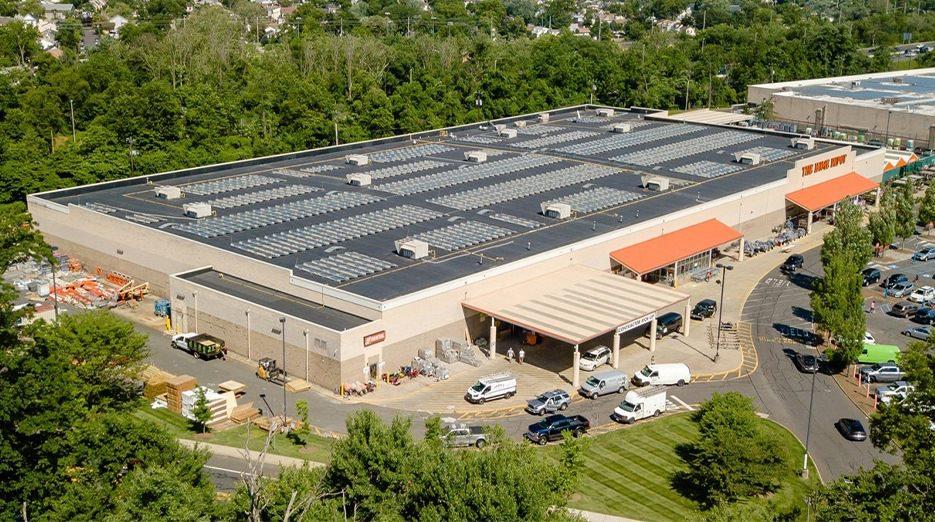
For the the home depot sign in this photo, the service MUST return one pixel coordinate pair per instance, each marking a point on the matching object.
(375, 338)
(825, 164)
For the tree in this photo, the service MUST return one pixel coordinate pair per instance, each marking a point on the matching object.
(927, 206)
(18, 42)
(200, 410)
(303, 431)
(905, 211)
(765, 111)
(882, 227)
(68, 34)
(836, 299)
(733, 458)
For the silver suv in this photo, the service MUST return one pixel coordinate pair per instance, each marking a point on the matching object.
(549, 402)
(881, 373)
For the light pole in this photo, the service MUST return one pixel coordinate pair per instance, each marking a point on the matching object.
(720, 312)
(808, 425)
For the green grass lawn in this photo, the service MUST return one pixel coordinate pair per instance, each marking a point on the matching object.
(318, 448)
(628, 472)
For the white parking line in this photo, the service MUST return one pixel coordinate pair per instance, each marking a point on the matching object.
(680, 401)
(234, 471)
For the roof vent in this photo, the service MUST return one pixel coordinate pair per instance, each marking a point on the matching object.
(655, 183)
(604, 112)
(622, 127)
(521, 124)
(747, 158)
(412, 248)
(357, 159)
(556, 210)
(855, 84)
(544, 117)
(477, 156)
(508, 133)
(803, 142)
(197, 210)
(168, 192)
(359, 179)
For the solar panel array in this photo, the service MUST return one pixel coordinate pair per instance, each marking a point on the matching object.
(407, 153)
(552, 139)
(252, 198)
(345, 266)
(306, 172)
(480, 138)
(515, 220)
(708, 169)
(466, 174)
(335, 231)
(770, 153)
(633, 124)
(523, 187)
(462, 235)
(591, 119)
(683, 149)
(253, 219)
(406, 168)
(99, 207)
(217, 186)
(537, 130)
(143, 218)
(628, 139)
(598, 198)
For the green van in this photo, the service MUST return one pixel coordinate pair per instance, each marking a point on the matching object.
(878, 353)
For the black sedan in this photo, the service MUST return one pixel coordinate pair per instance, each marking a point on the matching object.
(925, 316)
(806, 363)
(793, 263)
(704, 308)
(870, 276)
(852, 429)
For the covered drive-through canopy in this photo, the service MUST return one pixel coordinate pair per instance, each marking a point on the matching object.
(576, 304)
(829, 193)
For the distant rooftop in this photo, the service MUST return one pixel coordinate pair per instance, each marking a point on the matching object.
(298, 211)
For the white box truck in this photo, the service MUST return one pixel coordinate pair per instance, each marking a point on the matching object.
(491, 387)
(641, 403)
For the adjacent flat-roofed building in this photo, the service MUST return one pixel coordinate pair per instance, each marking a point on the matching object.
(885, 107)
(575, 225)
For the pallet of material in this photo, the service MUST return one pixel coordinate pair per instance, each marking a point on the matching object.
(152, 390)
(181, 383)
(153, 374)
(297, 385)
(244, 413)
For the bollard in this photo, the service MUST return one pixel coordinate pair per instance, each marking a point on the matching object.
(874, 401)
(868, 390)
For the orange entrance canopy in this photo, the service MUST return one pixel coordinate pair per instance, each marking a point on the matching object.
(829, 192)
(666, 249)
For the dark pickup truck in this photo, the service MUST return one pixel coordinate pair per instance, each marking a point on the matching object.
(551, 428)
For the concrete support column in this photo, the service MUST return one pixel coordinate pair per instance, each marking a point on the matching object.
(686, 319)
(652, 340)
(808, 224)
(249, 345)
(195, 299)
(740, 251)
(305, 333)
(616, 350)
(675, 275)
(575, 381)
(492, 341)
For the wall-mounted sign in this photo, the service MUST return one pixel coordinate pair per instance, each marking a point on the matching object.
(636, 323)
(375, 338)
(825, 164)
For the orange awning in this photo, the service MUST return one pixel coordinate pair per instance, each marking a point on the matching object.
(832, 191)
(666, 249)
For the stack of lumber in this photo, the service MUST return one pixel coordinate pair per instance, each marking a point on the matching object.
(244, 413)
(155, 381)
(297, 385)
(175, 387)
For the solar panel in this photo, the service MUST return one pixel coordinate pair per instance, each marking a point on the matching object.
(552, 139)
(345, 266)
(252, 198)
(406, 168)
(708, 169)
(629, 139)
(143, 218)
(253, 219)
(683, 149)
(598, 198)
(515, 220)
(465, 174)
(537, 130)
(770, 153)
(462, 235)
(98, 207)
(335, 231)
(479, 138)
(217, 186)
(407, 153)
(307, 172)
(523, 187)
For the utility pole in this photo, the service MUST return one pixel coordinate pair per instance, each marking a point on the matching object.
(73, 134)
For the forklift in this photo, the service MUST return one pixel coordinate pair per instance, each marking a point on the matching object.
(268, 371)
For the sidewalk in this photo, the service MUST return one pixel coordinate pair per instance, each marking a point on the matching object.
(238, 453)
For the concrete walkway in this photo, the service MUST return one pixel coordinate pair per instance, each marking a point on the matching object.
(238, 453)
(591, 516)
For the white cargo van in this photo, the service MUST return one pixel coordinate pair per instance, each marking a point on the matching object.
(641, 403)
(667, 374)
(491, 387)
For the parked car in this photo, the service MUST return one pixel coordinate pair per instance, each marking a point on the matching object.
(881, 373)
(893, 280)
(852, 429)
(806, 363)
(549, 402)
(663, 374)
(924, 254)
(667, 323)
(925, 316)
(868, 338)
(594, 358)
(491, 387)
(923, 294)
(878, 353)
(904, 309)
(704, 308)
(792, 263)
(462, 435)
(894, 388)
(602, 383)
(918, 332)
(551, 428)
(899, 289)
(898, 397)
(870, 276)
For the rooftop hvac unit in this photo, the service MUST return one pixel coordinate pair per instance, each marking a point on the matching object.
(499, 127)
(197, 210)
(622, 127)
(477, 156)
(747, 158)
(359, 179)
(803, 142)
(855, 84)
(412, 248)
(357, 159)
(168, 192)
(508, 133)
(521, 124)
(655, 183)
(556, 210)
(605, 112)
(544, 117)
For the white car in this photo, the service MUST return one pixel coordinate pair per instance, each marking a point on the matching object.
(868, 338)
(594, 358)
(923, 294)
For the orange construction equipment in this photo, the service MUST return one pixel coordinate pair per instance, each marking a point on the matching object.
(133, 292)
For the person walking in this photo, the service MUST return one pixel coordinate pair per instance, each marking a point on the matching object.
(522, 355)
(873, 305)
(509, 354)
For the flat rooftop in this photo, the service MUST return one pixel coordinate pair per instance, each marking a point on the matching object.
(298, 211)
(911, 91)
